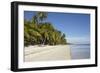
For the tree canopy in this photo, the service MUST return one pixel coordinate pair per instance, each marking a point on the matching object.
(38, 32)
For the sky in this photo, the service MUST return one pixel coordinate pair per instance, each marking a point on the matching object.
(75, 26)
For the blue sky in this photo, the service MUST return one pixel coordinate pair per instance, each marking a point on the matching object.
(75, 26)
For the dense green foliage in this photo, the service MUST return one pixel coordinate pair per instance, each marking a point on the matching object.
(38, 32)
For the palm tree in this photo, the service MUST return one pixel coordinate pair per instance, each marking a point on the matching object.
(41, 16)
(34, 20)
(36, 31)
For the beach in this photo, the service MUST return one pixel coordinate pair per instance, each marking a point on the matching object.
(47, 53)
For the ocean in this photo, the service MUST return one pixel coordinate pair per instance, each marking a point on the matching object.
(80, 51)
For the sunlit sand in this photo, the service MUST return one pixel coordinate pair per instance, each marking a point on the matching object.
(47, 53)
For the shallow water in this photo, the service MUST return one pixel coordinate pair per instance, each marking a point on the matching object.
(80, 51)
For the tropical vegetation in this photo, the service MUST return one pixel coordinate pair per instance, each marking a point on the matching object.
(37, 31)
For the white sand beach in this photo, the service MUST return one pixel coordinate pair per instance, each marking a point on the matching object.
(47, 53)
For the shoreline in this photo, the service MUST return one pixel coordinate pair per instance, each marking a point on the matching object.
(47, 53)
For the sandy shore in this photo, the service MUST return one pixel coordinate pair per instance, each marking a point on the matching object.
(47, 53)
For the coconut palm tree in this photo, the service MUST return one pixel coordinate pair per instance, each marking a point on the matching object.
(41, 16)
(36, 31)
(34, 20)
